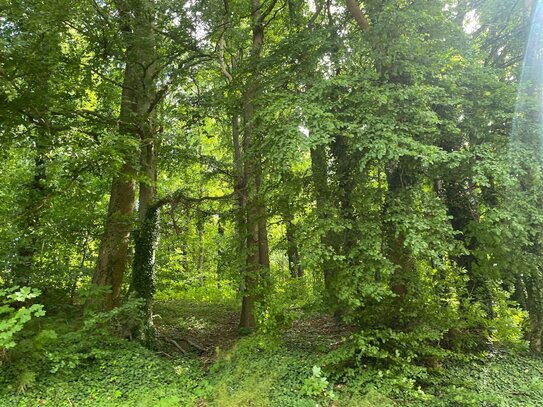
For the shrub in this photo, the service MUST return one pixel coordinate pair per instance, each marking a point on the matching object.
(14, 317)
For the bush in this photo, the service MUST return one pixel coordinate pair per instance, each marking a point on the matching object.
(13, 317)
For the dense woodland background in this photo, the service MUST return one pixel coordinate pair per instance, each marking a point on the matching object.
(369, 170)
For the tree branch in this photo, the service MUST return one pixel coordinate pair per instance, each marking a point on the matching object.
(358, 15)
(179, 196)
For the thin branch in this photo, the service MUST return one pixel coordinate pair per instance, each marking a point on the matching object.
(277, 11)
(320, 6)
(179, 196)
(224, 68)
(266, 12)
(183, 351)
(101, 13)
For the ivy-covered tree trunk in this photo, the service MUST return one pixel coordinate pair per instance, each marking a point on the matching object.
(146, 238)
(143, 270)
(344, 176)
(319, 174)
(135, 126)
(400, 179)
(534, 304)
(345, 171)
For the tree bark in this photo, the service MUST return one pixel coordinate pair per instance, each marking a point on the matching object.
(286, 210)
(256, 273)
(293, 255)
(220, 253)
(357, 13)
(201, 248)
(135, 124)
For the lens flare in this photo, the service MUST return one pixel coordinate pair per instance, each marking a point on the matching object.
(527, 122)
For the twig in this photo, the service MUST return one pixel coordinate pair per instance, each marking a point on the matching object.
(194, 345)
(177, 346)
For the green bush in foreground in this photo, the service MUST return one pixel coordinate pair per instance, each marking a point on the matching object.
(13, 319)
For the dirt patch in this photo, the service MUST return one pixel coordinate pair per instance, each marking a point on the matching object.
(197, 327)
(203, 328)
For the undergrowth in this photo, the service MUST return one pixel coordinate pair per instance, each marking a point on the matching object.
(60, 363)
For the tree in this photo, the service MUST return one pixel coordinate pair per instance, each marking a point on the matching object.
(135, 126)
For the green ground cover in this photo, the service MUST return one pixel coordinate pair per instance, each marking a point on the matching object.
(78, 368)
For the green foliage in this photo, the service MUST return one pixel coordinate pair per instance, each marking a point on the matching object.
(396, 169)
(64, 365)
(252, 374)
(120, 321)
(282, 306)
(392, 362)
(509, 379)
(317, 386)
(115, 372)
(14, 315)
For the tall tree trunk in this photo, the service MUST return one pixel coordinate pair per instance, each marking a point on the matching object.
(256, 274)
(320, 173)
(345, 165)
(344, 176)
(294, 266)
(146, 242)
(253, 261)
(114, 249)
(240, 189)
(135, 123)
(146, 237)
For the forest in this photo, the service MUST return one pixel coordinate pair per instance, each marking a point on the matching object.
(271, 203)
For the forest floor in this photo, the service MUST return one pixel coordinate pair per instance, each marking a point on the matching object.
(210, 329)
(202, 361)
